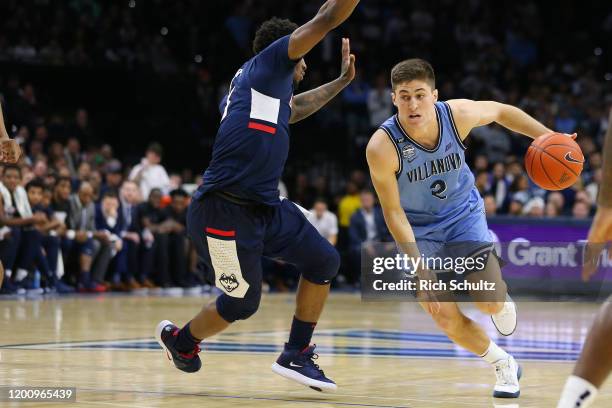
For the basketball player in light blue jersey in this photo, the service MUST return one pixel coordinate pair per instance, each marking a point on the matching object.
(428, 197)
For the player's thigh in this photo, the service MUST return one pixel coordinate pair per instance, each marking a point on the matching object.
(291, 237)
(228, 239)
(489, 286)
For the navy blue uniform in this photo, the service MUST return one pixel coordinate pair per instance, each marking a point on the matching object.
(236, 216)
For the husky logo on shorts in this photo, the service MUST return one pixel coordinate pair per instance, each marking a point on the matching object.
(229, 282)
(409, 153)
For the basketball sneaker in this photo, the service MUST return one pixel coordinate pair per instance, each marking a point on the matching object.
(299, 366)
(508, 374)
(166, 333)
(505, 320)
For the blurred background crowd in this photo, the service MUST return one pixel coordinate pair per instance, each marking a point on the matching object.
(87, 86)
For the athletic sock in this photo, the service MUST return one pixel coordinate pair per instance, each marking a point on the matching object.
(577, 392)
(301, 334)
(185, 342)
(494, 353)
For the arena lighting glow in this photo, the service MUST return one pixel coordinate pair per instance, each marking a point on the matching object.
(197, 58)
(164, 31)
(132, 4)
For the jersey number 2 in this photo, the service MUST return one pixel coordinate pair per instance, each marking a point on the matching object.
(438, 188)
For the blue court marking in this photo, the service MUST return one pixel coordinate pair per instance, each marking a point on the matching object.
(333, 350)
(441, 338)
(541, 350)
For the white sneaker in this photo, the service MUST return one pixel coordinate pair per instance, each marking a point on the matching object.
(505, 320)
(508, 374)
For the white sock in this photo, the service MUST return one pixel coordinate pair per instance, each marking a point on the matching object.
(577, 393)
(494, 353)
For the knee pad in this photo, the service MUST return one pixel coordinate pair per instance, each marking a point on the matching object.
(326, 269)
(232, 309)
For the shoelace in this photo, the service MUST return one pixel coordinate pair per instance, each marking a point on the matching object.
(309, 357)
(192, 354)
(503, 374)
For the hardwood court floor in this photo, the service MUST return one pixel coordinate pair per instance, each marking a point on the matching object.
(380, 354)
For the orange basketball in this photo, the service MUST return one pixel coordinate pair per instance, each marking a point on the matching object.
(554, 161)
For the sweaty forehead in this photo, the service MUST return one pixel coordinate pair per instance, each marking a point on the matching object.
(412, 87)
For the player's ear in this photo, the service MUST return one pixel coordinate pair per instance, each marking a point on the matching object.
(393, 98)
(435, 95)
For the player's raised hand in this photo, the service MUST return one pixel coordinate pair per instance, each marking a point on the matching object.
(599, 235)
(9, 151)
(347, 71)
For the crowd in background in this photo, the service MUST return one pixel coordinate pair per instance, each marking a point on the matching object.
(85, 211)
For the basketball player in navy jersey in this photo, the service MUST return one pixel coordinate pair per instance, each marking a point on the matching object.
(236, 216)
(9, 153)
(430, 202)
(595, 361)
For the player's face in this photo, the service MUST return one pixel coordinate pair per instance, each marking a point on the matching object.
(415, 102)
(299, 72)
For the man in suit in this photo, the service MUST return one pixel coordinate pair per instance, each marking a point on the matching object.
(367, 227)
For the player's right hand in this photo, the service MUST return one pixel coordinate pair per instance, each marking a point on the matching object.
(10, 151)
(599, 236)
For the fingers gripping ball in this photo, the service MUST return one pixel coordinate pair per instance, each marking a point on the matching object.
(554, 161)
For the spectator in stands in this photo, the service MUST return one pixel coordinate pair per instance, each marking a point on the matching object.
(130, 200)
(79, 238)
(22, 245)
(48, 245)
(149, 173)
(534, 207)
(581, 210)
(175, 240)
(113, 177)
(72, 154)
(490, 205)
(324, 221)
(367, 226)
(380, 106)
(110, 227)
(482, 182)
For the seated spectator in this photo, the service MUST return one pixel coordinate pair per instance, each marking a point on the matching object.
(177, 243)
(149, 173)
(324, 221)
(21, 246)
(581, 210)
(113, 177)
(482, 182)
(130, 200)
(79, 238)
(367, 226)
(490, 205)
(47, 252)
(534, 207)
(109, 229)
(155, 256)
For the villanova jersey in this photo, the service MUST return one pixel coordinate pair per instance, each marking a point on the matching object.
(252, 142)
(436, 186)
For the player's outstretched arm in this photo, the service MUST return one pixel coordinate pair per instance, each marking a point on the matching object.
(469, 114)
(307, 103)
(330, 15)
(383, 163)
(9, 148)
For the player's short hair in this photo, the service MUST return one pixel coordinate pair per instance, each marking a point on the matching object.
(411, 69)
(270, 31)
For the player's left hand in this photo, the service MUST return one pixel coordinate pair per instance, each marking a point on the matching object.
(599, 235)
(9, 151)
(347, 71)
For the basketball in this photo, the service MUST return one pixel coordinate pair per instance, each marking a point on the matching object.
(554, 161)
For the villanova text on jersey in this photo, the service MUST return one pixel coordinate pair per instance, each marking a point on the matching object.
(436, 186)
(252, 143)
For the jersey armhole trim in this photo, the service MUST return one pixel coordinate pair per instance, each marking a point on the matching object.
(399, 155)
(452, 120)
